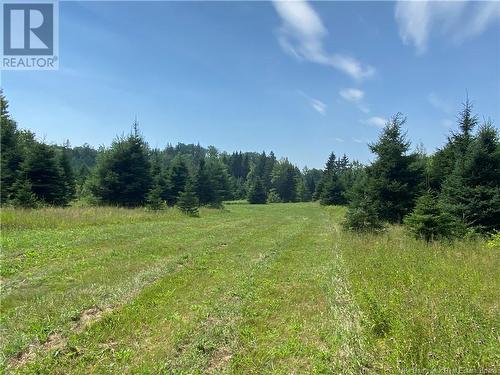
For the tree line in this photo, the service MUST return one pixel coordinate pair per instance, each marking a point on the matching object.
(129, 173)
(446, 194)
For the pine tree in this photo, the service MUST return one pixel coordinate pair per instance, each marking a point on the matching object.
(203, 185)
(43, 171)
(24, 197)
(67, 175)
(257, 193)
(11, 153)
(394, 179)
(285, 179)
(333, 191)
(303, 194)
(219, 182)
(123, 173)
(177, 178)
(429, 222)
(329, 170)
(188, 201)
(362, 214)
(444, 161)
(472, 192)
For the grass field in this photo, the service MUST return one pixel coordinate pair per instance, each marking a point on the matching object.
(250, 289)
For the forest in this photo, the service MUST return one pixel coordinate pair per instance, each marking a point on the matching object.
(450, 193)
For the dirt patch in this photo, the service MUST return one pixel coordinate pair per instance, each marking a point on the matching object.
(219, 360)
(55, 341)
(89, 316)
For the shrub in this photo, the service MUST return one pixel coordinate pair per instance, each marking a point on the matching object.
(273, 197)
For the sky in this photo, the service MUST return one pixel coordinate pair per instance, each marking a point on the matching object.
(300, 78)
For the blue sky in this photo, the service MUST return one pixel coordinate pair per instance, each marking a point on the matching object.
(300, 78)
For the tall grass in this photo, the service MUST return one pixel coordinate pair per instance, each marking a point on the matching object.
(426, 306)
(71, 217)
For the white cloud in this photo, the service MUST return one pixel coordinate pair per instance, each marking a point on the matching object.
(339, 139)
(439, 103)
(318, 105)
(357, 140)
(352, 95)
(378, 122)
(355, 96)
(456, 20)
(302, 34)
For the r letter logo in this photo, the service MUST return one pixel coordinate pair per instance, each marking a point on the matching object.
(30, 35)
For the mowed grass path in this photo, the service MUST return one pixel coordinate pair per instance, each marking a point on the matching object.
(250, 289)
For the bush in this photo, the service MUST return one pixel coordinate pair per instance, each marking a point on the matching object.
(273, 197)
(494, 242)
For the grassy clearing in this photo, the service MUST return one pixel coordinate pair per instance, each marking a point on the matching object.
(250, 289)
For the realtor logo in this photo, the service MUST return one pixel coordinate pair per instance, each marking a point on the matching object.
(29, 35)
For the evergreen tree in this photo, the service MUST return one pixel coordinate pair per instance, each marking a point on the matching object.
(429, 222)
(267, 176)
(257, 193)
(311, 179)
(11, 153)
(219, 181)
(203, 185)
(329, 170)
(444, 161)
(67, 175)
(188, 201)
(154, 199)
(362, 214)
(472, 192)
(177, 178)
(285, 179)
(24, 197)
(335, 181)
(123, 173)
(332, 192)
(303, 194)
(394, 178)
(43, 171)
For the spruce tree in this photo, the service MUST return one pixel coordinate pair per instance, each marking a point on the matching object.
(362, 214)
(188, 201)
(24, 197)
(67, 175)
(257, 193)
(11, 153)
(303, 193)
(395, 179)
(329, 170)
(285, 179)
(43, 171)
(203, 185)
(177, 178)
(444, 161)
(123, 173)
(429, 222)
(219, 181)
(472, 192)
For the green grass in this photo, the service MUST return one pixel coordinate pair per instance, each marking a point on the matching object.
(278, 288)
